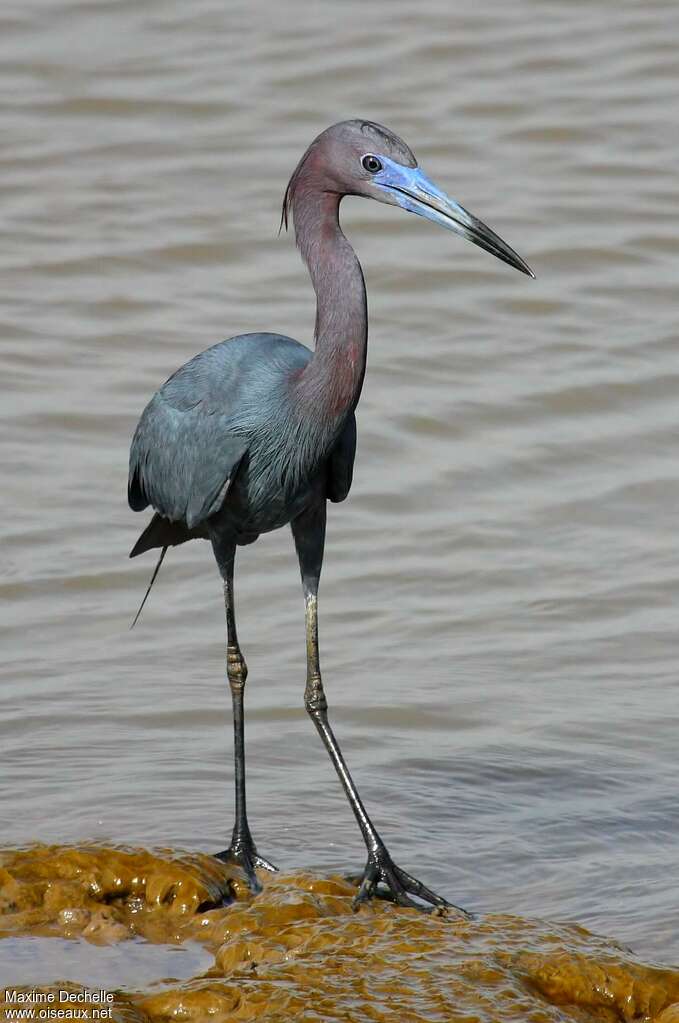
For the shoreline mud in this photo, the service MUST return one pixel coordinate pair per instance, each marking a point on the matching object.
(298, 951)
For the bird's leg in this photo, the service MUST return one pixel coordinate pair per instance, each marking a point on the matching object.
(380, 868)
(309, 534)
(242, 849)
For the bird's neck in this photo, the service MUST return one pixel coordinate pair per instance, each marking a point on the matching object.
(333, 378)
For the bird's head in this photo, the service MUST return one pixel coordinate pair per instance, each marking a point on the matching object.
(363, 158)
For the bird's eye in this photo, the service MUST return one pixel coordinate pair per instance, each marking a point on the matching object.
(371, 163)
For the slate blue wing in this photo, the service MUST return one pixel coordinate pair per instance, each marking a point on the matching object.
(184, 452)
(181, 462)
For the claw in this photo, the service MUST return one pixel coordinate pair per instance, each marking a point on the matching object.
(400, 885)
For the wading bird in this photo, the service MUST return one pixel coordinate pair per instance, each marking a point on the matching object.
(259, 431)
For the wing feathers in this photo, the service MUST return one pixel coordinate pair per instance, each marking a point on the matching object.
(182, 462)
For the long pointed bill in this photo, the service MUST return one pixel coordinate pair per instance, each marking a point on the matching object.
(409, 188)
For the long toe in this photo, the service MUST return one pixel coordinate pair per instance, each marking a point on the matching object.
(246, 864)
(416, 888)
(399, 886)
(262, 864)
(368, 884)
(249, 860)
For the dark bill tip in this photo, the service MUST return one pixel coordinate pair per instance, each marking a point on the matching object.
(483, 236)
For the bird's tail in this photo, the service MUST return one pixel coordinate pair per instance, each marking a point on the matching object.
(156, 570)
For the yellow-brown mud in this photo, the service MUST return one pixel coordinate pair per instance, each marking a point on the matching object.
(299, 953)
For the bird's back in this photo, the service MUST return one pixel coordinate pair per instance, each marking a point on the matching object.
(226, 375)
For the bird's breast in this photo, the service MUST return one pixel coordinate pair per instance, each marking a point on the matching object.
(281, 473)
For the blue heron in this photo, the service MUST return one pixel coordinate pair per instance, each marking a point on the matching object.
(259, 431)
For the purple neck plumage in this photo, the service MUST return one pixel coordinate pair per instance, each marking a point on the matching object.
(334, 377)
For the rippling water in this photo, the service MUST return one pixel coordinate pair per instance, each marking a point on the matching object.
(498, 612)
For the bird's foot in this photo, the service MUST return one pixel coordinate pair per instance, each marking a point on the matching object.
(400, 886)
(243, 851)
